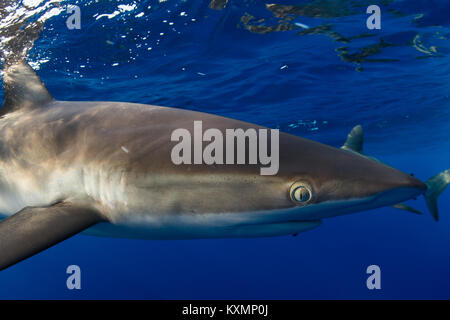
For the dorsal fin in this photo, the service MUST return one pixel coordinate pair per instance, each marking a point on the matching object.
(355, 140)
(23, 89)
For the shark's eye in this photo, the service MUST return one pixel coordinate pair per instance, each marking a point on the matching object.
(300, 193)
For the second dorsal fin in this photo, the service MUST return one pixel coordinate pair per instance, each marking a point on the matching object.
(23, 89)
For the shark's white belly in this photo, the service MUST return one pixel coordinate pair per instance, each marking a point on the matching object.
(109, 192)
(136, 211)
(207, 226)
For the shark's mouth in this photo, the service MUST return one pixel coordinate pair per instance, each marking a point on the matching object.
(291, 227)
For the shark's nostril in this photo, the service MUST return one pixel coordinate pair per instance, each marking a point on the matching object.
(416, 183)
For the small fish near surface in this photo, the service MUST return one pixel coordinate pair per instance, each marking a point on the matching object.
(105, 169)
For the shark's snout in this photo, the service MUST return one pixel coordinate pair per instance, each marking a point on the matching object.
(369, 178)
(411, 182)
(391, 180)
(405, 187)
(351, 183)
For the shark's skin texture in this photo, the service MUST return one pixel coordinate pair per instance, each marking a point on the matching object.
(105, 168)
(75, 151)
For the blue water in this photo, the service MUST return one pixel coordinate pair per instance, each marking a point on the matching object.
(317, 86)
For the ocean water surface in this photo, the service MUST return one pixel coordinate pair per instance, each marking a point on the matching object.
(310, 68)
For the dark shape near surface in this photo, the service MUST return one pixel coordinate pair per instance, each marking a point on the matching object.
(218, 4)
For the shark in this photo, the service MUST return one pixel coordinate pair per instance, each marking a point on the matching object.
(104, 169)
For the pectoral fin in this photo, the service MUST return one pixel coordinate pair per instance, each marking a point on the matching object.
(405, 207)
(273, 229)
(35, 229)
